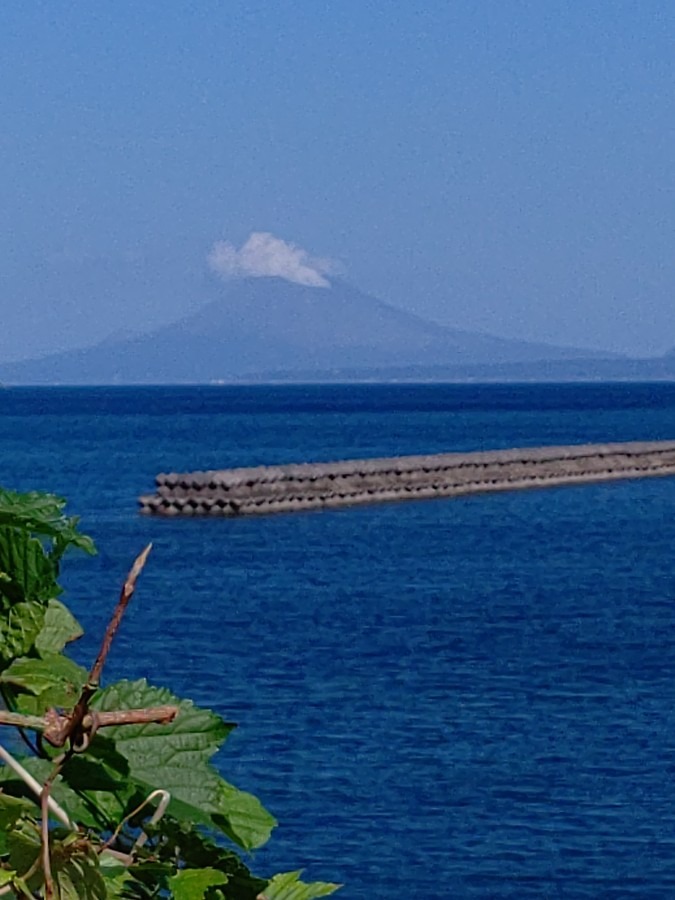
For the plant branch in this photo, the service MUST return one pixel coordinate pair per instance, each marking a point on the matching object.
(73, 726)
(35, 787)
(154, 819)
(56, 727)
(125, 596)
(45, 797)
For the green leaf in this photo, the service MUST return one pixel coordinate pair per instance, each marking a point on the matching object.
(195, 732)
(28, 573)
(28, 567)
(288, 886)
(150, 879)
(242, 817)
(43, 514)
(12, 785)
(176, 757)
(24, 845)
(196, 850)
(115, 875)
(77, 799)
(6, 877)
(60, 628)
(75, 870)
(171, 757)
(206, 798)
(99, 786)
(19, 629)
(11, 810)
(102, 786)
(192, 884)
(56, 680)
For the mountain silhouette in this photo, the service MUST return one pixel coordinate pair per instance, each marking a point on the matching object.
(268, 325)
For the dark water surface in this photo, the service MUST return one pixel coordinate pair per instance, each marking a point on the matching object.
(461, 698)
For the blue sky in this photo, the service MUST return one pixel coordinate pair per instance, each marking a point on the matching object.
(497, 165)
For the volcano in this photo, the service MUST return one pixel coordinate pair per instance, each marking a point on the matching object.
(270, 328)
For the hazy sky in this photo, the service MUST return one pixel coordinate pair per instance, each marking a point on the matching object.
(499, 165)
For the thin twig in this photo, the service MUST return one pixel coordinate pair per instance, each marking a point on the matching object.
(160, 715)
(35, 787)
(54, 724)
(78, 728)
(156, 816)
(74, 725)
(125, 596)
(57, 728)
(35, 723)
(46, 861)
(44, 805)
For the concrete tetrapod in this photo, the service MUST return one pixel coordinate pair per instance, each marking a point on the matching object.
(263, 490)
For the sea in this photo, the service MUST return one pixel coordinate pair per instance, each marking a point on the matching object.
(469, 697)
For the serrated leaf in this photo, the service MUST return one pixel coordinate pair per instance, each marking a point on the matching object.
(111, 866)
(149, 879)
(29, 569)
(115, 876)
(11, 810)
(102, 787)
(19, 629)
(192, 884)
(176, 757)
(60, 628)
(197, 732)
(171, 757)
(43, 514)
(242, 817)
(24, 845)
(197, 850)
(76, 872)
(29, 574)
(12, 784)
(287, 886)
(57, 680)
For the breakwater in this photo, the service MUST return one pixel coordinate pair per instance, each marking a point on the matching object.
(263, 490)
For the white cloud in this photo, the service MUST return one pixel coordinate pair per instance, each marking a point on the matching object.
(264, 256)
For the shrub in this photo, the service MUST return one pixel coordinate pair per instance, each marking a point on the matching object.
(115, 794)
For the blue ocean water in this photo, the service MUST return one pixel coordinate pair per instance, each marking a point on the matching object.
(456, 698)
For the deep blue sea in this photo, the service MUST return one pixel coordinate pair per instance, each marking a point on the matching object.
(457, 698)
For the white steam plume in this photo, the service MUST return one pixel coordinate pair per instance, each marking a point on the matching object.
(264, 256)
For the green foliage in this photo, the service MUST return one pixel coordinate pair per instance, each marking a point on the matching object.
(40, 684)
(34, 535)
(59, 628)
(289, 887)
(190, 883)
(108, 781)
(176, 757)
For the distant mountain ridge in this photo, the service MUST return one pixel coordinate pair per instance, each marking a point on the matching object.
(262, 326)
